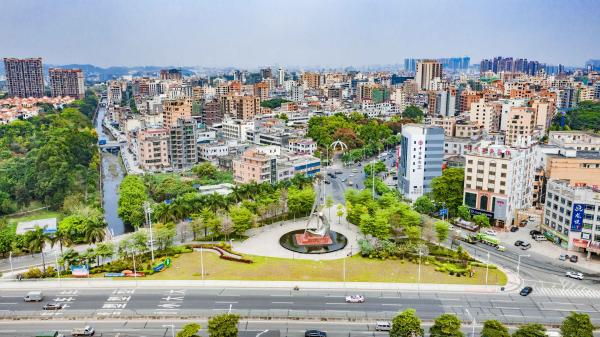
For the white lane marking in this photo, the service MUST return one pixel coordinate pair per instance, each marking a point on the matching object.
(282, 302)
(272, 295)
(343, 303)
(392, 304)
(219, 302)
(9, 303)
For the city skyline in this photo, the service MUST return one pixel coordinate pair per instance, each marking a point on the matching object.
(250, 34)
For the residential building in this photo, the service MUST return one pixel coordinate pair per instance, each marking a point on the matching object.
(153, 149)
(421, 156)
(467, 130)
(212, 151)
(254, 166)
(171, 74)
(183, 149)
(498, 181)
(67, 82)
(236, 129)
(571, 217)
(311, 80)
(240, 107)
(175, 109)
(521, 127)
(24, 77)
(426, 71)
(280, 77)
(304, 146)
(486, 114)
(114, 93)
(578, 140)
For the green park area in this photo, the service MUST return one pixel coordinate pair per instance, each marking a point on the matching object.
(358, 269)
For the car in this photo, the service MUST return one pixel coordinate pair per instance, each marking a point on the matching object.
(339, 172)
(519, 242)
(534, 232)
(52, 306)
(573, 258)
(383, 326)
(491, 232)
(525, 245)
(327, 182)
(563, 257)
(514, 229)
(355, 299)
(575, 275)
(315, 333)
(526, 291)
(359, 164)
(355, 170)
(344, 180)
(501, 248)
(351, 175)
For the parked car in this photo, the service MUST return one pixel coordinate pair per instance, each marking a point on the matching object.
(573, 258)
(501, 248)
(491, 232)
(526, 291)
(52, 306)
(514, 229)
(383, 326)
(534, 232)
(85, 331)
(525, 245)
(339, 172)
(519, 242)
(327, 182)
(575, 275)
(315, 333)
(563, 257)
(355, 299)
(539, 238)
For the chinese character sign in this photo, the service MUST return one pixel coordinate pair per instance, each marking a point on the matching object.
(577, 218)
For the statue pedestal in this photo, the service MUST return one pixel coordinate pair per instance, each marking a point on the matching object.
(306, 239)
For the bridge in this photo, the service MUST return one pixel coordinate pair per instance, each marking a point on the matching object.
(111, 146)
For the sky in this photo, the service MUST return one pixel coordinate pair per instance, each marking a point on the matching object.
(309, 33)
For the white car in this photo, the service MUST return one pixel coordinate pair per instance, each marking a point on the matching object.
(575, 275)
(355, 299)
(490, 232)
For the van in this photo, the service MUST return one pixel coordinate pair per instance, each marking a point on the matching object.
(539, 238)
(34, 296)
(383, 326)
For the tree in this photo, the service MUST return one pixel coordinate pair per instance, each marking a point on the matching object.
(493, 328)
(189, 330)
(223, 325)
(447, 189)
(530, 330)
(164, 236)
(329, 204)
(340, 212)
(463, 212)
(377, 226)
(413, 112)
(577, 325)
(105, 250)
(242, 219)
(132, 195)
(226, 226)
(95, 232)
(378, 167)
(407, 324)
(442, 229)
(481, 220)
(424, 205)
(7, 236)
(446, 325)
(36, 239)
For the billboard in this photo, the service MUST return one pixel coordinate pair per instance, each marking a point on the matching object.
(577, 218)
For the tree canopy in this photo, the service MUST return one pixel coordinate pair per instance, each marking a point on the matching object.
(577, 325)
(407, 324)
(493, 328)
(223, 325)
(530, 330)
(585, 117)
(447, 189)
(446, 325)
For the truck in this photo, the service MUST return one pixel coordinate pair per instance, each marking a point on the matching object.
(85, 331)
(488, 239)
(33, 296)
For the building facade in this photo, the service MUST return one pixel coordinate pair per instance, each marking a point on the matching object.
(67, 82)
(24, 77)
(421, 157)
(427, 70)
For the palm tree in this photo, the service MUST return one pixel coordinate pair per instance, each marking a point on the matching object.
(63, 238)
(36, 239)
(69, 257)
(104, 250)
(94, 232)
(236, 194)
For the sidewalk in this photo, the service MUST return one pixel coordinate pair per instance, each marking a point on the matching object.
(243, 284)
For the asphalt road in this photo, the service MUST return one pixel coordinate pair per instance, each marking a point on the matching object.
(317, 304)
(163, 328)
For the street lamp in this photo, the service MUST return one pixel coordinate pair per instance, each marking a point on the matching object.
(419, 275)
(172, 327)
(349, 254)
(148, 212)
(487, 268)
(519, 263)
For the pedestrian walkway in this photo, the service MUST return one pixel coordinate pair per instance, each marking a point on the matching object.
(559, 292)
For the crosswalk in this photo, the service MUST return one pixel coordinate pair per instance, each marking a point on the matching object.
(560, 292)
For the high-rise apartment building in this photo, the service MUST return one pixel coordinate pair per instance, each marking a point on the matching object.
(24, 77)
(183, 146)
(67, 82)
(486, 114)
(280, 76)
(153, 149)
(427, 70)
(311, 80)
(240, 107)
(421, 156)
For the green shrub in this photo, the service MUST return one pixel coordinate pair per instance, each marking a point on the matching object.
(33, 273)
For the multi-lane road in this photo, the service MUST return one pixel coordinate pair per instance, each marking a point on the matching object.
(86, 303)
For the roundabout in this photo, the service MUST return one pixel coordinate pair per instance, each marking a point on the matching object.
(290, 242)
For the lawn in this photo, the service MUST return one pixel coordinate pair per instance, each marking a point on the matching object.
(358, 269)
(41, 214)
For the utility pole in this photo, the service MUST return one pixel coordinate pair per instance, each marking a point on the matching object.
(148, 212)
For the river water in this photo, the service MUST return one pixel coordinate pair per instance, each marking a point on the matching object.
(112, 175)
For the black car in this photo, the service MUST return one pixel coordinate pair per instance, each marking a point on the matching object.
(52, 306)
(514, 229)
(534, 232)
(315, 333)
(526, 291)
(339, 172)
(327, 182)
(573, 258)
(519, 242)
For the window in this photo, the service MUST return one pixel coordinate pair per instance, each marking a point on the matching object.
(483, 202)
(470, 199)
